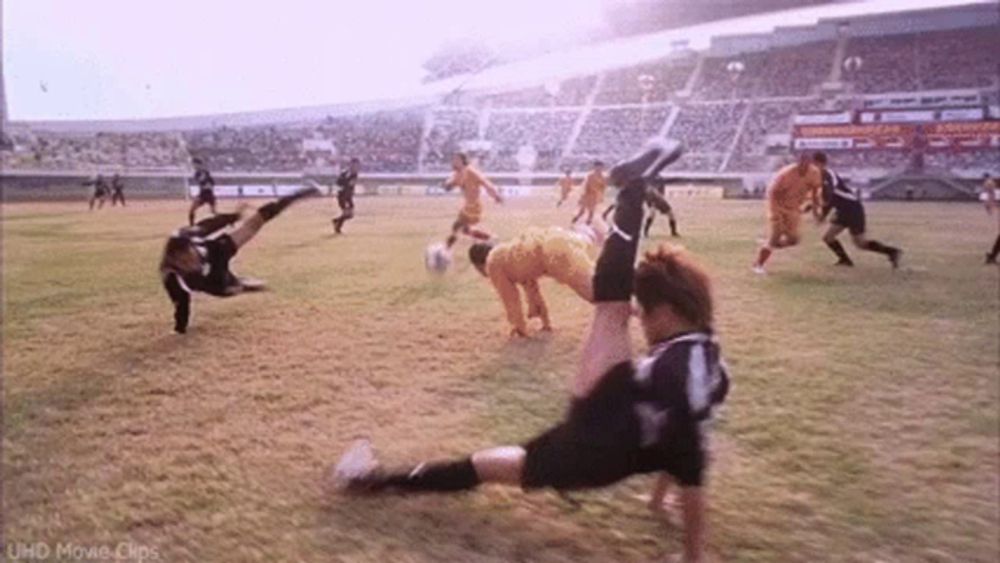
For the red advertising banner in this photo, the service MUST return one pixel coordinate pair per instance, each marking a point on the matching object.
(874, 130)
(963, 129)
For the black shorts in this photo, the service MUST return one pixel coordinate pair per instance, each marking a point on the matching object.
(206, 197)
(598, 444)
(345, 201)
(852, 217)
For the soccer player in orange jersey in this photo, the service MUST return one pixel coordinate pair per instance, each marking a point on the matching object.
(594, 187)
(565, 187)
(791, 187)
(523, 261)
(471, 182)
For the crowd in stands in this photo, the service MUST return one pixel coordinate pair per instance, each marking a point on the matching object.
(968, 162)
(707, 131)
(449, 129)
(885, 64)
(250, 149)
(571, 92)
(611, 134)
(58, 151)
(958, 58)
(795, 71)
(764, 119)
(513, 132)
(655, 82)
(382, 141)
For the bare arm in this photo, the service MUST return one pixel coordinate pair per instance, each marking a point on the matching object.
(489, 187)
(536, 304)
(991, 197)
(511, 298)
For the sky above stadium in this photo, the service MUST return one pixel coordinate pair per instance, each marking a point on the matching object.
(113, 59)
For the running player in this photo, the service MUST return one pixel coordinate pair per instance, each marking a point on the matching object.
(624, 418)
(788, 191)
(100, 191)
(117, 190)
(471, 182)
(206, 189)
(566, 186)
(990, 188)
(656, 202)
(524, 260)
(837, 195)
(347, 180)
(194, 262)
(594, 186)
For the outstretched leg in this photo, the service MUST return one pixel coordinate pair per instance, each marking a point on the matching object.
(246, 231)
(991, 256)
(830, 238)
(891, 252)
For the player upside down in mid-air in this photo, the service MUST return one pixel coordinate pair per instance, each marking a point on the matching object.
(788, 191)
(471, 182)
(850, 215)
(625, 417)
(347, 181)
(206, 189)
(656, 202)
(194, 260)
(522, 261)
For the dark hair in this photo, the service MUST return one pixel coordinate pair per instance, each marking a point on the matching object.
(478, 253)
(819, 157)
(355, 160)
(197, 160)
(668, 276)
(598, 163)
(463, 156)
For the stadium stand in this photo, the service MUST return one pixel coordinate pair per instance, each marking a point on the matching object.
(611, 134)
(626, 86)
(708, 131)
(545, 132)
(450, 128)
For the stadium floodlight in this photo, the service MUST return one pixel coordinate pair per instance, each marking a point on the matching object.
(853, 63)
(735, 69)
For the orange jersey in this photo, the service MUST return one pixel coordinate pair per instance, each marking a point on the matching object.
(594, 187)
(471, 182)
(789, 189)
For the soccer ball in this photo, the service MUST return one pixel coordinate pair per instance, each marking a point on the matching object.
(437, 258)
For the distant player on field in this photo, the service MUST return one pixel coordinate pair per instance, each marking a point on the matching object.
(566, 186)
(850, 215)
(471, 182)
(625, 417)
(990, 188)
(194, 260)
(594, 186)
(791, 187)
(523, 261)
(117, 190)
(100, 193)
(206, 189)
(347, 181)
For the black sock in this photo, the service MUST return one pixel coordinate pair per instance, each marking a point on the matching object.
(996, 249)
(876, 246)
(649, 224)
(838, 249)
(448, 476)
(271, 210)
(673, 227)
(616, 265)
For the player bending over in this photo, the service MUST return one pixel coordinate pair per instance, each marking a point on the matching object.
(100, 191)
(656, 202)
(785, 196)
(206, 189)
(850, 215)
(347, 181)
(990, 189)
(471, 182)
(594, 186)
(624, 417)
(566, 186)
(524, 260)
(193, 260)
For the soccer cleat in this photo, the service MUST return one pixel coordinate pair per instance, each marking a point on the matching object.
(759, 270)
(845, 263)
(656, 155)
(990, 259)
(894, 258)
(354, 469)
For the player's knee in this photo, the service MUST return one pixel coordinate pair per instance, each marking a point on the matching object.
(859, 241)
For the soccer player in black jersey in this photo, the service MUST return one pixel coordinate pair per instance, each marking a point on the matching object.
(117, 190)
(850, 215)
(347, 180)
(989, 190)
(100, 191)
(625, 417)
(206, 189)
(194, 260)
(656, 202)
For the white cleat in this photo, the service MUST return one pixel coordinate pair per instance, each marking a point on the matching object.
(759, 270)
(356, 463)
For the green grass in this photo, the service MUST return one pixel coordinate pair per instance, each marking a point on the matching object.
(862, 424)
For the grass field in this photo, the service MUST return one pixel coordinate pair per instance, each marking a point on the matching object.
(862, 423)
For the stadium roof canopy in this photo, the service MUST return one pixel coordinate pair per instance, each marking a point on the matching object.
(609, 55)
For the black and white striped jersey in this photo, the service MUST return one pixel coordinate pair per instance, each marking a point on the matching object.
(836, 193)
